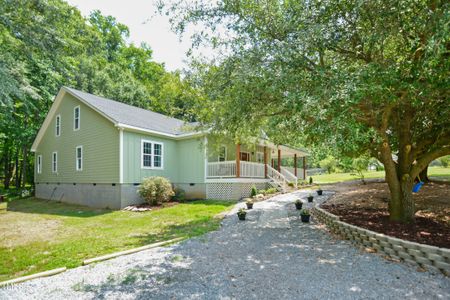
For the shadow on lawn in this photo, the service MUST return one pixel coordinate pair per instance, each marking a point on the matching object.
(49, 207)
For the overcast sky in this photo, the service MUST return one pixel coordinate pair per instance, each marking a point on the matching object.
(145, 25)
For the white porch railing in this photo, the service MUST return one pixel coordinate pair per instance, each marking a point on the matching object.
(278, 179)
(289, 176)
(292, 170)
(228, 169)
(221, 169)
(251, 169)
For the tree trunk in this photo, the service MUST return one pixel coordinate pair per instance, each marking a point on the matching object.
(401, 204)
(24, 166)
(17, 171)
(423, 176)
(7, 168)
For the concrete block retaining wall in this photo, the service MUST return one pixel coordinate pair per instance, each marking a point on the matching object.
(424, 256)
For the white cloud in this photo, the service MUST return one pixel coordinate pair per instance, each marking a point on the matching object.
(145, 26)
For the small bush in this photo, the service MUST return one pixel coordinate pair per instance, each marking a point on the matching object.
(445, 161)
(329, 163)
(310, 180)
(264, 192)
(254, 191)
(271, 191)
(305, 212)
(179, 195)
(155, 190)
(291, 184)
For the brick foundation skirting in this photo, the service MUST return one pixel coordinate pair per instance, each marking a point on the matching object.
(425, 256)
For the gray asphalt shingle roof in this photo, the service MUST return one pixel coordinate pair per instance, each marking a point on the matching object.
(133, 116)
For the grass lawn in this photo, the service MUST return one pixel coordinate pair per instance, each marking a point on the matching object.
(439, 173)
(38, 235)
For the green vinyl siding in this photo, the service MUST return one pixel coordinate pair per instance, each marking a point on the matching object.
(97, 135)
(132, 170)
(191, 161)
(183, 160)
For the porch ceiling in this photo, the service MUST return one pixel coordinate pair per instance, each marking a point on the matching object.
(286, 151)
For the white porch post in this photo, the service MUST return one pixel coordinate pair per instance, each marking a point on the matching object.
(238, 160)
(265, 162)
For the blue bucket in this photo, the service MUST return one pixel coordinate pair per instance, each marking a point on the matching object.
(417, 186)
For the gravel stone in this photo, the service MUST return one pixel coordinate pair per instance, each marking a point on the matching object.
(271, 255)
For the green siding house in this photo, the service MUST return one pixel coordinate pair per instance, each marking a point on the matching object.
(95, 151)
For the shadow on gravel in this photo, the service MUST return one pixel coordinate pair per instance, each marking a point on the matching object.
(243, 260)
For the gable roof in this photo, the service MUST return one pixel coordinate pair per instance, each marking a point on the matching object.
(125, 114)
(129, 117)
(122, 116)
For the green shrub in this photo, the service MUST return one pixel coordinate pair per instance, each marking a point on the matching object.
(445, 161)
(305, 212)
(310, 180)
(262, 192)
(301, 182)
(329, 163)
(155, 190)
(271, 190)
(254, 191)
(291, 184)
(179, 195)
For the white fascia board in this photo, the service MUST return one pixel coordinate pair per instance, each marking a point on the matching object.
(158, 133)
(48, 119)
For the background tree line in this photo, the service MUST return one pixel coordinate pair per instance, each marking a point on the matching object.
(46, 44)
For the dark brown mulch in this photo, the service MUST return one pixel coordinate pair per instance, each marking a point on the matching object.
(424, 230)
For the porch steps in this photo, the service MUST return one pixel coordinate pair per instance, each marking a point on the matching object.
(277, 185)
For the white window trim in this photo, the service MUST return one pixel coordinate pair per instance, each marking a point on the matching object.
(76, 158)
(39, 164)
(79, 118)
(152, 155)
(262, 155)
(58, 125)
(226, 153)
(54, 162)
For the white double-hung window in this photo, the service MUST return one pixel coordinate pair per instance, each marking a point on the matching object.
(151, 155)
(58, 125)
(55, 162)
(39, 164)
(79, 158)
(76, 118)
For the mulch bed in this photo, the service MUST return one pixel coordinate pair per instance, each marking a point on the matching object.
(147, 207)
(424, 230)
(366, 205)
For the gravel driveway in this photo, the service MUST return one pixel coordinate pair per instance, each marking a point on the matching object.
(272, 255)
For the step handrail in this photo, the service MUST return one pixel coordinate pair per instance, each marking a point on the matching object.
(276, 176)
(290, 176)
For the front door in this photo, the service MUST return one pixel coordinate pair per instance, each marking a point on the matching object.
(245, 156)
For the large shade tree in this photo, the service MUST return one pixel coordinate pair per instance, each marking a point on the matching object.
(367, 77)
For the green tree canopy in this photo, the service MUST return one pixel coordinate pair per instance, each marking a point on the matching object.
(361, 76)
(48, 44)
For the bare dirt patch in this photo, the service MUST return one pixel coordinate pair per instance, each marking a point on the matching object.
(367, 206)
(26, 230)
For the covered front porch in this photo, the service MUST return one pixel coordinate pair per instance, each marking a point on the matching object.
(262, 162)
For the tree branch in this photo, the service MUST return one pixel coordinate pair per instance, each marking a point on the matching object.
(425, 160)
